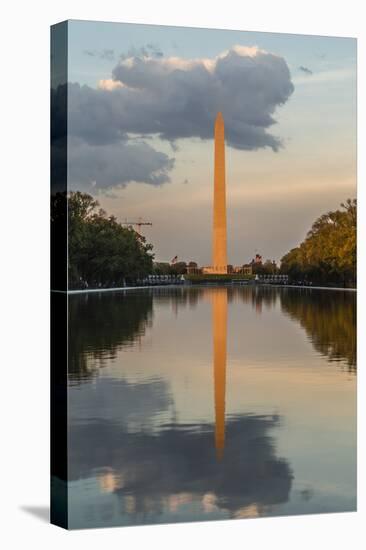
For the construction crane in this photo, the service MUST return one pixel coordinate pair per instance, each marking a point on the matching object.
(137, 224)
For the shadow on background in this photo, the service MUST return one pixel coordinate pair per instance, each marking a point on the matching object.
(40, 512)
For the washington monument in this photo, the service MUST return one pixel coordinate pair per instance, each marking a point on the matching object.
(219, 260)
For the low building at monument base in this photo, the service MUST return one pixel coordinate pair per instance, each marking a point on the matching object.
(226, 270)
(214, 270)
(245, 269)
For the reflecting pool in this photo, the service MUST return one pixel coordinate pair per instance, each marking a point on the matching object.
(191, 404)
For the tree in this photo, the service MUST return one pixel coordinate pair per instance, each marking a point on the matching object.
(328, 254)
(161, 268)
(330, 324)
(269, 267)
(178, 268)
(164, 268)
(101, 252)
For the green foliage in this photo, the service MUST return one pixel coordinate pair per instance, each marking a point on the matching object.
(101, 252)
(329, 323)
(179, 268)
(328, 254)
(161, 268)
(102, 324)
(164, 268)
(269, 267)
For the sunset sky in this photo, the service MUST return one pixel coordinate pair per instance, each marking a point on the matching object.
(142, 105)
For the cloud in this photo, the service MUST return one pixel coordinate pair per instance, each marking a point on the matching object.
(179, 459)
(172, 98)
(102, 54)
(305, 70)
(150, 50)
(106, 399)
(109, 84)
(116, 164)
(98, 156)
(179, 98)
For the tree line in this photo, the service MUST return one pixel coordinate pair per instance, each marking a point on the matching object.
(101, 251)
(328, 253)
(104, 253)
(330, 324)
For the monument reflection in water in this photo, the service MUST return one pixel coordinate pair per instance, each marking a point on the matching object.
(219, 317)
(193, 404)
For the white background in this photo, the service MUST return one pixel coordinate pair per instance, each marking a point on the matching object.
(24, 298)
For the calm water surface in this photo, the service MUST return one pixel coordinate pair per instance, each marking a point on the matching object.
(211, 403)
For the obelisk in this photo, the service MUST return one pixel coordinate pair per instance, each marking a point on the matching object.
(219, 263)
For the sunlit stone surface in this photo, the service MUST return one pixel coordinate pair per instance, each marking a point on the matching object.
(219, 219)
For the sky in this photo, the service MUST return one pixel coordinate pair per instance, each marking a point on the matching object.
(142, 101)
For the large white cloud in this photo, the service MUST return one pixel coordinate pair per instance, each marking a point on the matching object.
(176, 98)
